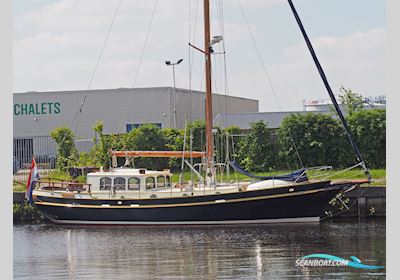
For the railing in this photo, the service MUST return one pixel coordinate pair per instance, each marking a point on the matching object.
(21, 176)
(316, 172)
(62, 186)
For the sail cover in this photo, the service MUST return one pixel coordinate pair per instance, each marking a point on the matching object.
(298, 175)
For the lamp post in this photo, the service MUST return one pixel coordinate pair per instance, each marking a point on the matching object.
(173, 75)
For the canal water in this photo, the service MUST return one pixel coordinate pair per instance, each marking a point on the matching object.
(206, 252)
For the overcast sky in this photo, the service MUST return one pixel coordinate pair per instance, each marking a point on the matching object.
(57, 43)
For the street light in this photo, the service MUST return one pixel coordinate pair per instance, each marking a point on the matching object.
(173, 75)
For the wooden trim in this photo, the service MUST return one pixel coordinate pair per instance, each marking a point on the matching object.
(158, 154)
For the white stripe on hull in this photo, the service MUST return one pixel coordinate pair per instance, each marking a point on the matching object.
(261, 221)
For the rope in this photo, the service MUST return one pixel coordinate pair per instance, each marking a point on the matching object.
(267, 76)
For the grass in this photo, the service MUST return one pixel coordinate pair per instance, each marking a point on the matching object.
(378, 176)
(18, 187)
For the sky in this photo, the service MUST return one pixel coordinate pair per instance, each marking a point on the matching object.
(57, 44)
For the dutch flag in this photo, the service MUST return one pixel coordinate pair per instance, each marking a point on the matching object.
(30, 184)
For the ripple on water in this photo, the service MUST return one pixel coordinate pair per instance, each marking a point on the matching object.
(225, 252)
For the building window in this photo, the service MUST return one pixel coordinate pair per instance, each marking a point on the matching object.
(150, 183)
(119, 183)
(133, 183)
(105, 183)
(160, 181)
(132, 126)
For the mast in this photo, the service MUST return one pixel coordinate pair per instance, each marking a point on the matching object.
(331, 95)
(207, 49)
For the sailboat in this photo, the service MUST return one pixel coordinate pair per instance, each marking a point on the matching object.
(137, 196)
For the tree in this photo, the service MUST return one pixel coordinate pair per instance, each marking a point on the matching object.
(318, 139)
(257, 152)
(87, 159)
(146, 138)
(101, 146)
(67, 154)
(352, 101)
(369, 128)
(174, 142)
(198, 131)
(230, 134)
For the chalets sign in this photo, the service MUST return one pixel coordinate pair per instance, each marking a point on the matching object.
(44, 108)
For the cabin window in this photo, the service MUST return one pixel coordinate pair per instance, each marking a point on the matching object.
(119, 183)
(133, 183)
(160, 181)
(168, 181)
(105, 183)
(150, 183)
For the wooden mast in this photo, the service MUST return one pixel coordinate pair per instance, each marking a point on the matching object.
(207, 49)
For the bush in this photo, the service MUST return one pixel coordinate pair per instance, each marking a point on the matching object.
(26, 212)
(319, 140)
(369, 128)
(257, 150)
(67, 154)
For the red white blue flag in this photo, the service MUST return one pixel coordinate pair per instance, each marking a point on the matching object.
(30, 184)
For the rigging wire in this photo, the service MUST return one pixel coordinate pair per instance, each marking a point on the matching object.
(78, 113)
(145, 44)
(222, 28)
(125, 111)
(267, 76)
(190, 72)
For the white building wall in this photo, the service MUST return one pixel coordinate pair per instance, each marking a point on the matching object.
(38, 113)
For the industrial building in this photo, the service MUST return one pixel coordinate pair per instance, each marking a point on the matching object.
(244, 120)
(36, 114)
(326, 105)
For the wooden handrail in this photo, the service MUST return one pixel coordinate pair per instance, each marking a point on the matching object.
(64, 185)
(158, 154)
(62, 182)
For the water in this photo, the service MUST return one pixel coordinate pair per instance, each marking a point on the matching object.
(206, 252)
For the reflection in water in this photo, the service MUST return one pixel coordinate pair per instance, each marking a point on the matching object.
(206, 252)
(258, 260)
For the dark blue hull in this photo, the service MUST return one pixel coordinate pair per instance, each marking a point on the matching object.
(303, 202)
